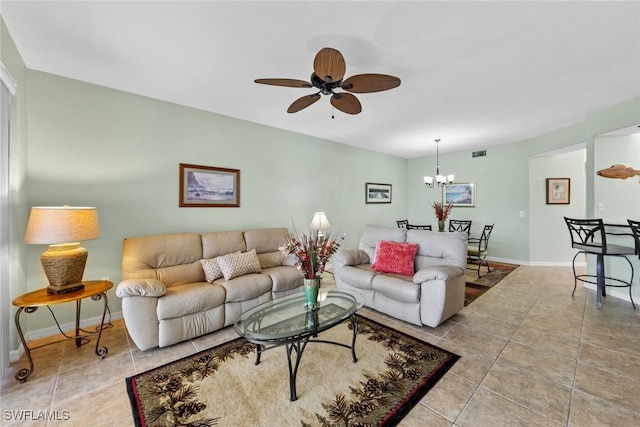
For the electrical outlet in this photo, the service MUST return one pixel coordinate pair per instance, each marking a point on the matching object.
(600, 207)
(522, 214)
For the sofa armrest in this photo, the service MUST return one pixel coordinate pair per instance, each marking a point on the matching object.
(438, 272)
(349, 257)
(141, 288)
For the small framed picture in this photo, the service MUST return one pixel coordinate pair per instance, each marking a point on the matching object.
(207, 186)
(377, 193)
(558, 191)
(462, 194)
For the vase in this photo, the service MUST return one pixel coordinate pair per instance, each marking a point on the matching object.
(440, 226)
(311, 319)
(311, 287)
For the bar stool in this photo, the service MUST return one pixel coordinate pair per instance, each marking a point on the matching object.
(590, 238)
(635, 229)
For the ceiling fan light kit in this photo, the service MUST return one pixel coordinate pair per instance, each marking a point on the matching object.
(329, 68)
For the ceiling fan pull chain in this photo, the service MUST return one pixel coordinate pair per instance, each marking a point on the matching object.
(333, 111)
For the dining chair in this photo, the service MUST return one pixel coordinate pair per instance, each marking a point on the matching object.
(478, 247)
(460, 225)
(635, 230)
(418, 227)
(402, 223)
(589, 237)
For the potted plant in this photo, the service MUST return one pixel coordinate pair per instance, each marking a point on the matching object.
(312, 255)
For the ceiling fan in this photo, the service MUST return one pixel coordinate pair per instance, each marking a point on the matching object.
(328, 73)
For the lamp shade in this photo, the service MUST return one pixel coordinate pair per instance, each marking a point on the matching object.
(319, 222)
(60, 224)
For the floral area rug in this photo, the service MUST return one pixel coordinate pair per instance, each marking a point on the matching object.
(476, 286)
(222, 386)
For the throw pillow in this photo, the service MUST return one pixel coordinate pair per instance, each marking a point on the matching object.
(211, 269)
(395, 257)
(239, 264)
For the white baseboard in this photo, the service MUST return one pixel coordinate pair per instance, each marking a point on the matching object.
(536, 263)
(15, 355)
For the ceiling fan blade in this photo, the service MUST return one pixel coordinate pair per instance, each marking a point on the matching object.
(367, 83)
(329, 65)
(284, 82)
(346, 103)
(302, 103)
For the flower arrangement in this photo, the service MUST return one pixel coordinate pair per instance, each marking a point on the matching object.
(442, 212)
(312, 253)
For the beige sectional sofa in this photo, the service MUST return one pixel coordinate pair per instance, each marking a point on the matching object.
(166, 295)
(430, 294)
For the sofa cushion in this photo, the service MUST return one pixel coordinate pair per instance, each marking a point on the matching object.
(181, 274)
(284, 278)
(170, 258)
(350, 257)
(266, 239)
(222, 243)
(358, 276)
(394, 257)
(181, 300)
(372, 234)
(238, 264)
(246, 287)
(397, 287)
(271, 259)
(140, 288)
(436, 248)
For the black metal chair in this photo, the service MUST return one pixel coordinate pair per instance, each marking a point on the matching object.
(402, 223)
(418, 227)
(460, 225)
(477, 249)
(589, 236)
(635, 230)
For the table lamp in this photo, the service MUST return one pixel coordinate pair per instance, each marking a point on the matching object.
(62, 228)
(319, 223)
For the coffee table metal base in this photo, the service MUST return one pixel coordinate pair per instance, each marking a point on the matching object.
(297, 344)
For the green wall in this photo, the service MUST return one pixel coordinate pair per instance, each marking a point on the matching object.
(504, 184)
(89, 145)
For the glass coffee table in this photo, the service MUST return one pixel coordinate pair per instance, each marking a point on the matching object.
(286, 321)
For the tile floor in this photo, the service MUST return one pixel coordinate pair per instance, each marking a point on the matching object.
(531, 356)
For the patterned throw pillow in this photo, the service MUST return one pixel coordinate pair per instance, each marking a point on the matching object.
(239, 264)
(211, 269)
(395, 257)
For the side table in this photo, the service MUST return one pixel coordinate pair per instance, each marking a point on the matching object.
(30, 302)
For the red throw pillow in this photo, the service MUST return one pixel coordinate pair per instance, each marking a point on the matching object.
(394, 257)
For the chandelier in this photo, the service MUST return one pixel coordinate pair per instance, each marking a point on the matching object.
(442, 180)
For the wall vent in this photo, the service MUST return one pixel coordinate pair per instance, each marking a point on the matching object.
(481, 153)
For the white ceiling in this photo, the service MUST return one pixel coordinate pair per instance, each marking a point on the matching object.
(474, 74)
